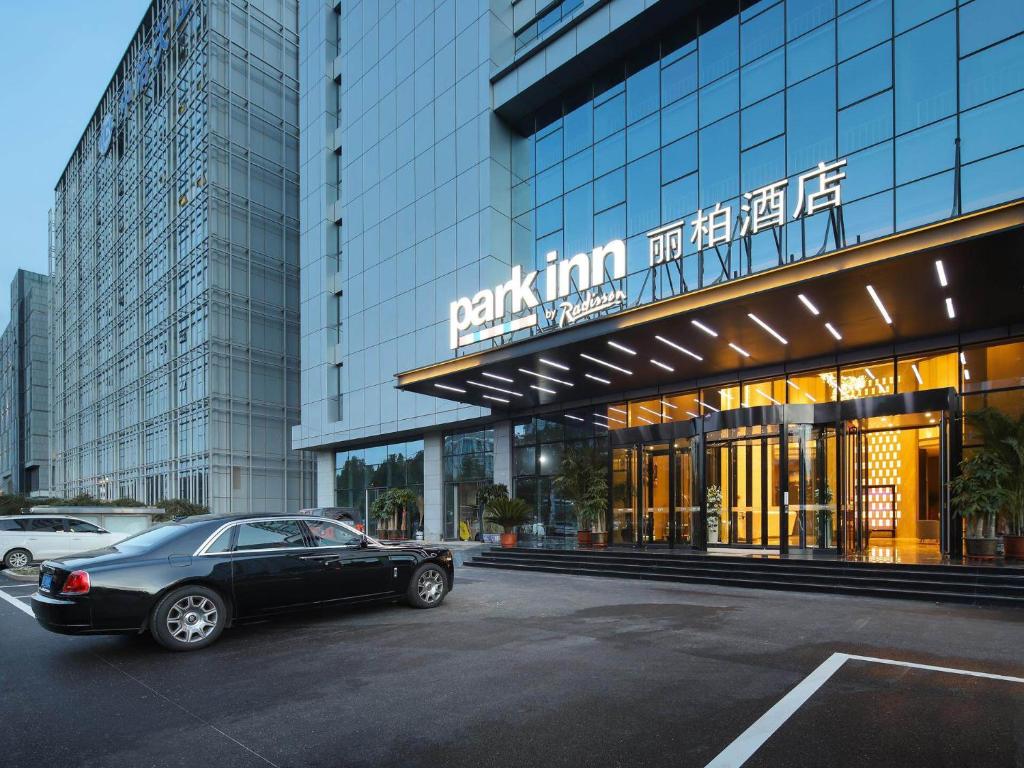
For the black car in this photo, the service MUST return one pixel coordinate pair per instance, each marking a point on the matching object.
(187, 580)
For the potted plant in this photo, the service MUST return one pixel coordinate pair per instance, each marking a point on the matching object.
(390, 504)
(979, 496)
(1003, 437)
(484, 495)
(582, 480)
(509, 514)
(823, 515)
(714, 502)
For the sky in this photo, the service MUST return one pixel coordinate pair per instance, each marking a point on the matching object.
(56, 57)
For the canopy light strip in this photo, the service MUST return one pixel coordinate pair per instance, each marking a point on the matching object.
(739, 349)
(778, 336)
(553, 364)
(497, 399)
(881, 307)
(596, 378)
(613, 409)
(574, 418)
(649, 410)
(645, 421)
(940, 270)
(543, 389)
(545, 377)
(605, 363)
(809, 304)
(450, 389)
(949, 308)
(707, 405)
(496, 377)
(835, 334)
(622, 348)
(701, 326)
(660, 364)
(667, 404)
(494, 388)
(681, 348)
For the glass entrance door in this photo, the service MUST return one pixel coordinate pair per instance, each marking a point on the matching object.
(741, 486)
(652, 494)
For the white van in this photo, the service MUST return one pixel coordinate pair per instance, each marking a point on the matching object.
(27, 538)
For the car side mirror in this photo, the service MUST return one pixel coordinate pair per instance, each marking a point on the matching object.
(363, 542)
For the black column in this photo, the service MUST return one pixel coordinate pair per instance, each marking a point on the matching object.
(784, 484)
(700, 524)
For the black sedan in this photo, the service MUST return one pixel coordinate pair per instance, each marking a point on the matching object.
(186, 581)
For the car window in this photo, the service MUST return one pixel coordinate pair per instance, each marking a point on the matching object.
(327, 534)
(10, 525)
(152, 537)
(81, 526)
(270, 534)
(222, 543)
(44, 524)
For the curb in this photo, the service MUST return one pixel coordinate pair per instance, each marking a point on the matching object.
(18, 577)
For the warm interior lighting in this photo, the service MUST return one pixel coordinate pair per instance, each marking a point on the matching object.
(767, 327)
(681, 348)
(609, 418)
(917, 374)
(870, 374)
(949, 308)
(545, 377)
(766, 396)
(941, 272)
(667, 404)
(645, 421)
(496, 377)
(691, 413)
(660, 364)
(450, 389)
(833, 331)
(596, 378)
(649, 410)
(622, 348)
(881, 307)
(613, 409)
(543, 389)
(605, 363)
(494, 389)
(701, 326)
(807, 303)
(706, 405)
(739, 349)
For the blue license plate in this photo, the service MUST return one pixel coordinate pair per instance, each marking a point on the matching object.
(46, 582)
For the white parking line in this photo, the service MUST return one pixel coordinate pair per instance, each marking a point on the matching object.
(16, 603)
(752, 739)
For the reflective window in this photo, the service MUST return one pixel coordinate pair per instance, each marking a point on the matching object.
(863, 75)
(926, 73)
(919, 372)
(811, 53)
(763, 78)
(926, 151)
(865, 123)
(764, 121)
(811, 122)
(327, 534)
(924, 201)
(864, 26)
(762, 34)
(992, 128)
(718, 53)
(984, 22)
(270, 534)
(910, 13)
(719, 99)
(805, 15)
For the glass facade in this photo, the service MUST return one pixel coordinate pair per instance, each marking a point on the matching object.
(468, 465)
(363, 474)
(692, 120)
(174, 269)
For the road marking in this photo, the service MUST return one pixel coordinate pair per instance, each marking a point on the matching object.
(17, 603)
(752, 739)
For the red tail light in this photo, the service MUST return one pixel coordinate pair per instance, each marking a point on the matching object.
(77, 583)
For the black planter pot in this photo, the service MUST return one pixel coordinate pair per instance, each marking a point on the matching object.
(981, 548)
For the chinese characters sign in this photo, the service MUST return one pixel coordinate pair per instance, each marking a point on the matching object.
(761, 209)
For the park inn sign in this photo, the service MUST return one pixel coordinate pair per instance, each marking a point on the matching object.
(575, 288)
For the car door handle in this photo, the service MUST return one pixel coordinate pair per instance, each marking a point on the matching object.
(318, 557)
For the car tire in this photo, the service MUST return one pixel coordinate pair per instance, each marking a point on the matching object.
(427, 587)
(17, 558)
(189, 618)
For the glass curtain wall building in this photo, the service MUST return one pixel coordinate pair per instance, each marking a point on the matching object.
(24, 387)
(174, 267)
(701, 223)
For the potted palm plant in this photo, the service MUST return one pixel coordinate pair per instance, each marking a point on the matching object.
(582, 480)
(391, 505)
(1003, 437)
(509, 514)
(714, 502)
(979, 496)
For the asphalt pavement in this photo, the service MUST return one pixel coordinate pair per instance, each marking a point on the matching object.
(523, 669)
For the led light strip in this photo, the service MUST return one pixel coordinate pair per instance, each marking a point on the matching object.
(605, 363)
(668, 404)
(917, 374)
(553, 364)
(494, 388)
(739, 349)
(881, 307)
(609, 418)
(809, 304)
(653, 412)
(831, 329)
(949, 308)
(574, 418)
(450, 389)
(546, 378)
(660, 364)
(766, 396)
(940, 270)
(498, 399)
(496, 377)
(707, 405)
(543, 389)
(596, 378)
(778, 336)
(681, 348)
(701, 326)
(622, 348)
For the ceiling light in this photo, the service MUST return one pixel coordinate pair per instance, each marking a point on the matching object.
(496, 377)
(605, 363)
(833, 331)
(767, 396)
(660, 364)
(694, 415)
(870, 374)
(553, 364)
(574, 418)
(498, 399)
(881, 307)
(543, 389)
(450, 389)
(708, 331)
(622, 348)
(949, 308)
(767, 327)
(596, 378)
(707, 405)
(494, 389)
(941, 271)
(649, 410)
(682, 349)
(967, 375)
(609, 418)
(963, 359)
(599, 424)
(546, 378)
(739, 349)
(668, 404)
(645, 421)
(617, 410)
(917, 374)
(807, 303)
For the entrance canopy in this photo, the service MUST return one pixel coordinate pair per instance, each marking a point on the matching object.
(941, 280)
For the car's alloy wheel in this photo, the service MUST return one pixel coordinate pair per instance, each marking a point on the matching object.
(430, 585)
(192, 618)
(18, 558)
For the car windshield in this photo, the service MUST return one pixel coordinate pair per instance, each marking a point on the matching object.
(152, 537)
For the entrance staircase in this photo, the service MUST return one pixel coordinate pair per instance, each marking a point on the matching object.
(973, 584)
